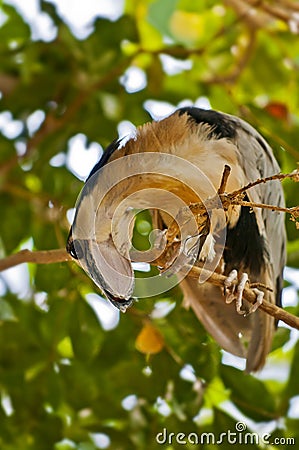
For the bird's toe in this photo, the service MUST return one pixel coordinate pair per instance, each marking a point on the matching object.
(258, 301)
(234, 289)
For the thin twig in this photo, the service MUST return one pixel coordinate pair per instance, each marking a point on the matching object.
(279, 176)
(293, 210)
(225, 175)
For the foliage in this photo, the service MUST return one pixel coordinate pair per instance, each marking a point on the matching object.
(63, 377)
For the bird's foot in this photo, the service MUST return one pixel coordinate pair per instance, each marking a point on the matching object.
(234, 291)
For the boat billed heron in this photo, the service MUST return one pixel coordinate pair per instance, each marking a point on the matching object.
(165, 167)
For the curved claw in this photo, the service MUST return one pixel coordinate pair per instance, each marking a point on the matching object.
(228, 284)
(234, 291)
(258, 301)
(240, 289)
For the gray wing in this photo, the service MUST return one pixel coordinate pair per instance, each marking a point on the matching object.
(257, 160)
(255, 244)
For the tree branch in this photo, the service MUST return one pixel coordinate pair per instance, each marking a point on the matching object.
(275, 311)
(38, 257)
(60, 255)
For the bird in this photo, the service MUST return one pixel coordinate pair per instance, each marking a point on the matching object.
(179, 160)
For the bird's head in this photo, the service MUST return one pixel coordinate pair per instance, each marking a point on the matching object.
(109, 270)
(102, 245)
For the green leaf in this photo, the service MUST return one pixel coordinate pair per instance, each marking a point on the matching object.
(85, 331)
(249, 394)
(65, 348)
(86, 446)
(6, 312)
(159, 13)
(233, 432)
(292, 384)
(281, 337)
(56, 273)
(65, 444)
(14, 28)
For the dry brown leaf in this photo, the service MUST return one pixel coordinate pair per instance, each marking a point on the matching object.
(149, 340)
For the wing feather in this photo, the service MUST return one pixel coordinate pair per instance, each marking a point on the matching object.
(256, 245)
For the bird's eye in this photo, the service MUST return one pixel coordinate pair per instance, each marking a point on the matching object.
(70, 248)
(73, 252)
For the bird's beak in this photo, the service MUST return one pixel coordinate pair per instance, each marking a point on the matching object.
(109, 270)
(119, 303)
